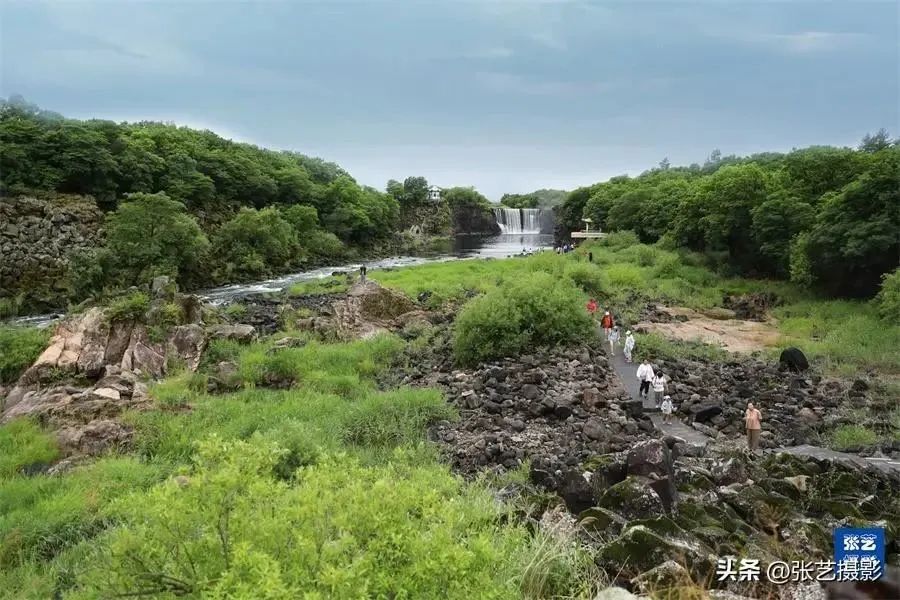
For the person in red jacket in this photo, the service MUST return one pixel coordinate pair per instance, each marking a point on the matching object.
(592, 307)
(606, 323)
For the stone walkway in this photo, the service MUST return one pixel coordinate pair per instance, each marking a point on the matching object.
(627, 373)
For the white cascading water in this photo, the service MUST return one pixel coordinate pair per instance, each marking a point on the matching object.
(518, 220)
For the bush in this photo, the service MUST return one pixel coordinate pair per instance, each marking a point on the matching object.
(19, 347)
(621, 239)
(587, 277)
(888, 298)
(132, 307)
(342, 531)
(852, 436)
(534, 310)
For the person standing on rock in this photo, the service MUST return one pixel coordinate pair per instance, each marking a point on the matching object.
(629, 346)
(659, 387)
(752, 420)
(613, 340)
(645, 376)
(362, 274)
(666, 407)
(606, 323)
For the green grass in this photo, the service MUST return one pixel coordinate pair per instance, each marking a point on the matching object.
(19, 347)
(24, 444)
(845, 335)
(327, 285)
(851, 436)
(651, 346)
(328, 489)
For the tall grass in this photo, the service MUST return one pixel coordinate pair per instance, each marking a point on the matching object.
(19, 347)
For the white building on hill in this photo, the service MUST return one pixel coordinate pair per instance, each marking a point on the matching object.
(434, 193)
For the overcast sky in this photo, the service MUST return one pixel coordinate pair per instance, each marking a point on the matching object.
(508, 96)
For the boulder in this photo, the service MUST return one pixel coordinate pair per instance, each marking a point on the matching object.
(188, 343)
(793, 359)
(639, 549)
(650, 458)
(632, 498)
(94, 438)
(239, 333)
(668, 575)
(576, 491)
(706, 412)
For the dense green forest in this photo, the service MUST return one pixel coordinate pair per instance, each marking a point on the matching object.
(537, 199)
(204, 209)
(822, 216)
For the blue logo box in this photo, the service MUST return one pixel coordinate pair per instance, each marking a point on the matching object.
(859, 553)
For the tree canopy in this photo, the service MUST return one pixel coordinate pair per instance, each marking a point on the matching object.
(825, 216)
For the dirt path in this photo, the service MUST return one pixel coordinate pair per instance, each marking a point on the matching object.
(734, 335)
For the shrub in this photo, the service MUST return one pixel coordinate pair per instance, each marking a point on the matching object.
(587, 277)
(852, 436)
(19, 347)
(618, 240)
(888, 298)
(534, 310)
(342, 531)
(323, 244)
(132, 307)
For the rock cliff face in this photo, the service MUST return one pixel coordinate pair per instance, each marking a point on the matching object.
(474, 220)
(37, 239)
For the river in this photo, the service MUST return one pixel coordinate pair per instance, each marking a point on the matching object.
(464, 247)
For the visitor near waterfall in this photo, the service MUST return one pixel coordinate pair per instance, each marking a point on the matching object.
(752, 420)
(613, 340)
(666, 407)
(606, 323)
(659, 387)
(362, 273)
(645, 376)
(629, 346)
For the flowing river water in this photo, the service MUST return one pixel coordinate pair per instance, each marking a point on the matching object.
(464, 247)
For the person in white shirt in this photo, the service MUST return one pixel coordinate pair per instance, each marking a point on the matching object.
(613, 340)
(645, 376)
(659, 387)
(666, 407)
(629, 346)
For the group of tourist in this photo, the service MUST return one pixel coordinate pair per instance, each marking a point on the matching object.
(564, 248)
(658, 381)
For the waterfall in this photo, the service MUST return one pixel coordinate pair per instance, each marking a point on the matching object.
(518, 220)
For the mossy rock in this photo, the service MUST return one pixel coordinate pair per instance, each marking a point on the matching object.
(787, 465)
(639, 549)
(692, 481)
(810, 534)
(632, 498)
(840, 509)
(599, 520)
(661, 525)
(782, 488)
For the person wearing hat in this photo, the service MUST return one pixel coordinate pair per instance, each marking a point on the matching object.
(629, 346)
(667, 408)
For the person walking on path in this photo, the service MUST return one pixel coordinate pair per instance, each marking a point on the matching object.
(645, 376)
(659, 387)
(606, 323)
(752, 420)
(613, 340)
(362, 273)
(592, 307)
(629, 346)
(666, 407)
